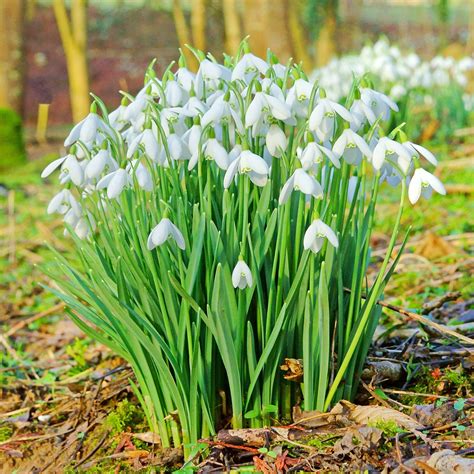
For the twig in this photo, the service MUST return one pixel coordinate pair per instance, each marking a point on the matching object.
(35, 317)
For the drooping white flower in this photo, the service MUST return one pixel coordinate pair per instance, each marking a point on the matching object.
(162, 232)
(139, 170)
(276, 141)
(254, 166)
(352, 147)
(323, 118)
(362, 114)
(422, 183)
(242, 276)
(62, 202)
(99, 163)
(419, 150)
(221, 110)
(298, 97)
(300, 180)
(388, 149)
(175, 95)
(313, 155)
(51, 167)
(115, 182)
(315, 235)
(248, 67)
(86, 130)
(380, 104)
(149, 140)
(212, 150)
(117, 117)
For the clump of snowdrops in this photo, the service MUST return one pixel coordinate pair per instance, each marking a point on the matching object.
(222, 223)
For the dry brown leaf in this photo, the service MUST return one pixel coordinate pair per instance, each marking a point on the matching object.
(448, 462)
(433, 247)
(148, 437)
(293, 369)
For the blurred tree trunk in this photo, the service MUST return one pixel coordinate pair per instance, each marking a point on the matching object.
(298, 34)
(12, 15)
(233, 36)
(73, 34)
(266, 23)
(325, 45)
(198, 23)
(182, 31)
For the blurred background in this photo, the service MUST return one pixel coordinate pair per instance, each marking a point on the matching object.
(52, 52)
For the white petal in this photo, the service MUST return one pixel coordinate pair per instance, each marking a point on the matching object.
(287, 189)
(231, 172)
(117, 183)
(414, 188)
(52, 166)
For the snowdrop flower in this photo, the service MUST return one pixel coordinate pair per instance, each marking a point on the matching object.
(249, 66)
(254, 166)
(86, 130)
(175, 95)
(242, 276)
(380, 104)
(362, 114)
(418, 150)
(214, 151)
(99, 163)
(313, 155)
(142, 174)
(389, 149)
(298, 97)
(323, 118)
(162, 232)
(265, 108)
(117, 117)
(422, 183)
(300, 180)
(177, 148)
(73, 170)
(115, 183)
(53, 166)
(209, 77)
(62, 202)
(220, 111)
(276, 141)
(351, 147)
(315, 235)
(147, 138)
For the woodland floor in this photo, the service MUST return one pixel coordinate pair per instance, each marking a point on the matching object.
(66, 404)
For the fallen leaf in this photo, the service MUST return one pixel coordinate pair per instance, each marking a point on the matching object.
(447, 461)
(148, 437)
(293, 369)
(433, 247)
(364, 438)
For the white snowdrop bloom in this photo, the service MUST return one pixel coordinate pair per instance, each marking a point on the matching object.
(313, 155)
(276, 141)
(177, 148)
(86, 130)
(136, 107)
(380, 104)
(300, 180)
(242, 276)
(62, 202)
(316, 234)
(185, 78)
(117, 118)
(323, 118)
(148, 139)
(53, 166)
(115, 182)
(298, 97)
(220, 111)
(422, 183)
(391, 150)
(73, 170)
(140, 171)
(192, 139)
(254, 166)
(194, 107)
(351, 147)
(209, 76)
(361, 114)
(175, 95)
(162, 232)
(248, 67)
(418, 150)
(101, 161)
(265, 108)
(213, 151)
(351, 188)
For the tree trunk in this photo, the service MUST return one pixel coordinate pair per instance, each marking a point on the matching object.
(12, 15)
(232, 26)
(198, 24)
(266, 23)
(74, 38)
(326, 39)
(298, 37)
(182, 31)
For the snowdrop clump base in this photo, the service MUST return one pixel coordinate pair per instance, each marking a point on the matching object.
(222, 223)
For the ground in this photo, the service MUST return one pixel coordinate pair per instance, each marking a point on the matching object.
(66, 404)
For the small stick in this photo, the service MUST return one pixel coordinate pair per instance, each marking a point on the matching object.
(25, 322)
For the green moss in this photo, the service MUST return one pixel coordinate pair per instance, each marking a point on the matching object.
(12, 148)
(5, 433)
(388, 427)
(125, 415)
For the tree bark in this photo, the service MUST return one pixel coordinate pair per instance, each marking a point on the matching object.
(73, 34)
(326, 39)
(182, 31)
(12, 15)
(233, 35)
(298, 38)
(198, 24)
(266, 23)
